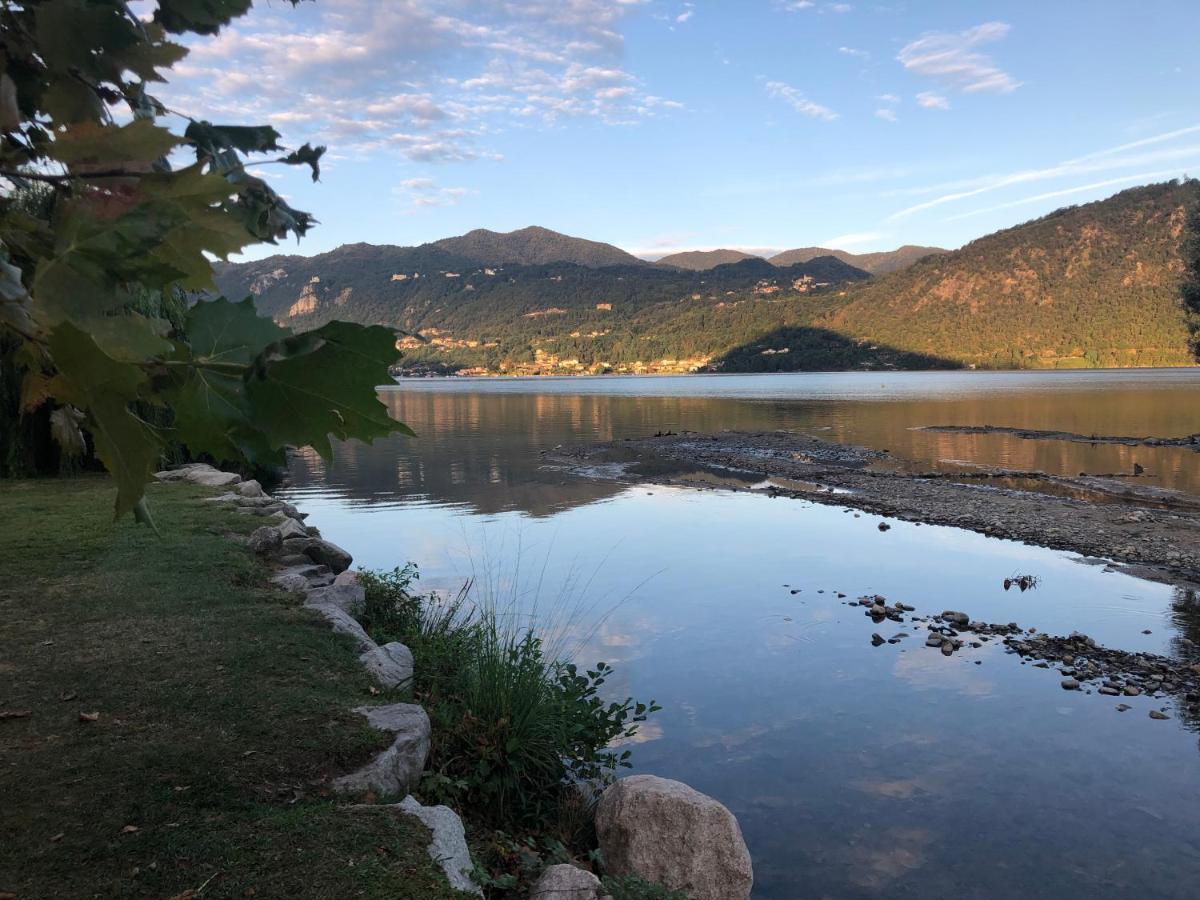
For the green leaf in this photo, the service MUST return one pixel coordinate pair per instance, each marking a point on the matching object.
(103, 389)
(199, 16)
(212, 139)
(307, 155)
(221, 331)
(212, 411)
(323, 383)
(88, 145)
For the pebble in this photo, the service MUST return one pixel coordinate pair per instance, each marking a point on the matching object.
(1155, 714)
(877, 640)
(1070, 684)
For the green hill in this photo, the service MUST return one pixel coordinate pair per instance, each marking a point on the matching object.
(533, 246)
(699, 260)
(881, 263)
(1094, 285)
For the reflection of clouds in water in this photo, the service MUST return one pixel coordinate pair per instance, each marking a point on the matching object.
(926, 667)
(647, 732)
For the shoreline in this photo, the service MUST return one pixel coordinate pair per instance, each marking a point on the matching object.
(1150, 532)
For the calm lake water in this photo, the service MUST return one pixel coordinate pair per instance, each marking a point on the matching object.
(855, 771)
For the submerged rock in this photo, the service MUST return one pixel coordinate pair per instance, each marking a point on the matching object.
(668, 833)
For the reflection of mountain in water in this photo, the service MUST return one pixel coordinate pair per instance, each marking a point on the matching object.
(481, 449)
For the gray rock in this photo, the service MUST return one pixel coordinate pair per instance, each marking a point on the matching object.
(298, 545)
(310, 571)
(1070, 684)
(266, 540)
(291, 582)
(958, 618)
(343, 623)
(1155, 714)
(566, 882)
(210, 477)
(350, 576)
(391, 664)
(329, 554)
(448, 844)
(398, 768)
(290, 528)
(348, 596)
(250, 488)
(934, 640)
(668, 833)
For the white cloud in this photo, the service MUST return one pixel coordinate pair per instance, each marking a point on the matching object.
(795, 5)
(852, 51)
(424, 192)
(888, 98)
(839, 7)
(797, 101)
(1101, 161)
(952, 59)
(888, 115)
(1141, 177)
(428, 79)
(930, 100)
(686, 14)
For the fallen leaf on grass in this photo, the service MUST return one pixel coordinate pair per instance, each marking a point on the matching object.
(89, 717)
(7, 895)
(129, 829)
(58, 837)
(14, 714)
(69, 695)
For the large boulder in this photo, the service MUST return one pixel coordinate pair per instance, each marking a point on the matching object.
(391, 664)
(290, 528)
(567, 882)
(448, 842)
(329, 554)
(396, 770)
(349, 597)
(250, 488)
(210, 477)
(670, 834)
(266, 540)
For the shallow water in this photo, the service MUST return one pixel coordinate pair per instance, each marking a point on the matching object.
(853, 770)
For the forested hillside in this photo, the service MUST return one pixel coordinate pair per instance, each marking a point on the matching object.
(1095, 285)
(699, 260)
(880, 263)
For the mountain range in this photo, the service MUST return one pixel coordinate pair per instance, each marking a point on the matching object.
(875, 263)
(1101, 284)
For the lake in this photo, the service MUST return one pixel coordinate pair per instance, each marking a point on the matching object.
(853, 770)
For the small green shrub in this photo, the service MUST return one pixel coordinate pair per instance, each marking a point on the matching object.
(515, 730)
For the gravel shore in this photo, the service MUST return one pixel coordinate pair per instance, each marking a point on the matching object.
(1154, 532)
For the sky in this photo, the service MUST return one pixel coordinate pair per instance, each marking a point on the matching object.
(664, 125)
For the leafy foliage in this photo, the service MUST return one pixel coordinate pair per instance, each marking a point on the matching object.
(97, 219)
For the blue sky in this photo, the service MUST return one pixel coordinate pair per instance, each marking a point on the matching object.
(662, 125)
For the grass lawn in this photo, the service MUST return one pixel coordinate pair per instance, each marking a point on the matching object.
(221, 714)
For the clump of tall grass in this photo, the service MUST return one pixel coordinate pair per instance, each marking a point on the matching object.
(518, 728)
